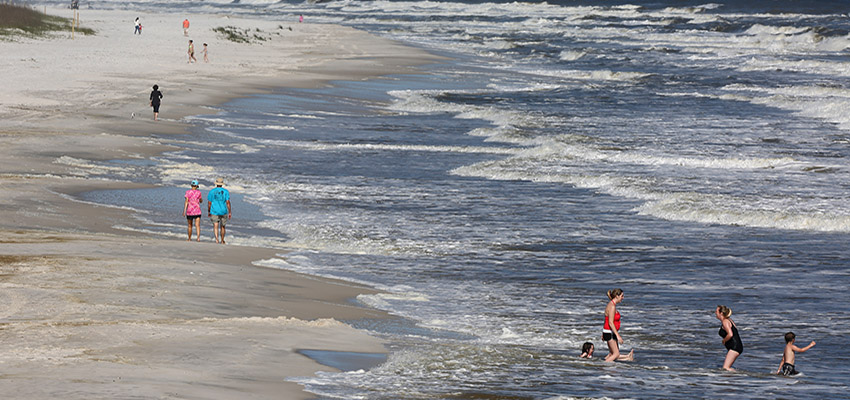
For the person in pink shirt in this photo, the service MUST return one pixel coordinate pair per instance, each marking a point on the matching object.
(192, 209)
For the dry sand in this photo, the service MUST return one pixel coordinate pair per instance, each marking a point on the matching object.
(90, 311)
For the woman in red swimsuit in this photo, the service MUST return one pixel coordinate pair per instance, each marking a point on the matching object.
(611, 329)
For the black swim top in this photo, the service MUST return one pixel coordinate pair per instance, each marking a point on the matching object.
(735, 342)
(722, 332)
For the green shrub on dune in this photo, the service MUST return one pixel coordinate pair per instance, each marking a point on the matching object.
(20, 20)
(238, 35)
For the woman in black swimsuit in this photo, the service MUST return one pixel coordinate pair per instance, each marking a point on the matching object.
(156, 96)
(729, 332)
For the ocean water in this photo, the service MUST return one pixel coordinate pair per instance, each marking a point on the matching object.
(692, 154)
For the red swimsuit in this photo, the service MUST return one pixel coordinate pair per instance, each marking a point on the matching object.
(607, 328)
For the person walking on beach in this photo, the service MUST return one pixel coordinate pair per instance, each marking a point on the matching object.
(218, 209)
(191, 52)
(786, 366)
(731, 339)
(156, 97)
(206, 54)
(138, 27)
(192, 209)
(611, 328)
(186, 27)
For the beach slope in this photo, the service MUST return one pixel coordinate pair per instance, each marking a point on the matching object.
(92, 311)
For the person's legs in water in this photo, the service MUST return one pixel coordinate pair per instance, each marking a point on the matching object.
(613, 350)
(731, 356)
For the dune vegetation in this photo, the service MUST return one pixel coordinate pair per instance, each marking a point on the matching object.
(22, 20)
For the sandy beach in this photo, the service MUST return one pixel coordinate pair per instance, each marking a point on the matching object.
(92, 311)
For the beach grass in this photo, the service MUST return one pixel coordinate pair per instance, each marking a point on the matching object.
(237, 35)
(21, 20)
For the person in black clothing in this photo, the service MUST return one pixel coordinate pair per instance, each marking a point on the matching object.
(729, 334)
(156, 97)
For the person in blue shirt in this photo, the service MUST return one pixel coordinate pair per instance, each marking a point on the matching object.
(218, 209)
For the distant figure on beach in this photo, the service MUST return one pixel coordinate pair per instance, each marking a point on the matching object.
(731, 339)
(156, 97)
(611, 328)
(786, 366)
(191, 52)
(138, 29)
(186, 27)
(587, 350)
(218, 209)
(300, 18)
(192, 209)
(206, 54)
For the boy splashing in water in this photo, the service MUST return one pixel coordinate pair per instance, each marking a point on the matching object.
(786, 366)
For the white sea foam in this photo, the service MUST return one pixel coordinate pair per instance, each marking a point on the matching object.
(81, 167)
(759, 29)
(828, 68)
(597, 75)
(275, 127)
(176, 172)
(218, 121)
(682, 205)
(569, 55)
(826, 103)
(342, 238)
(590, 153)
(505, 121)
(319, 146)
(298, 116)
(720, 210)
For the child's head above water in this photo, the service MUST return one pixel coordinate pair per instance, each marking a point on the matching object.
(789, 337)
(587, 349)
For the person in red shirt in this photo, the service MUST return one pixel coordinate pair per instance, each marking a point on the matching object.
(611, 328)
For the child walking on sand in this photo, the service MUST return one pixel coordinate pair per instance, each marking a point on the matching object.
(191, 52)
(206, 58)
(786, 366)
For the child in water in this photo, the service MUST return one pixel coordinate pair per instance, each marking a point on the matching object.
(587, 350)
(786, 366)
